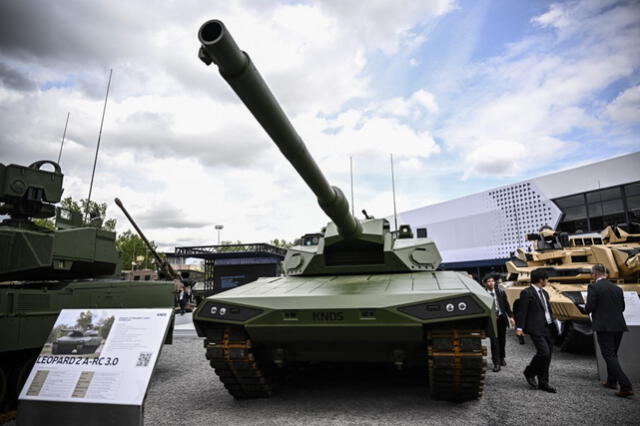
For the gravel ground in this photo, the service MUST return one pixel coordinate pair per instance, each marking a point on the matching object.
(185, 390)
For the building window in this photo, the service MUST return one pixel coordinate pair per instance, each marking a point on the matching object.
(632, 193)
(595, 210)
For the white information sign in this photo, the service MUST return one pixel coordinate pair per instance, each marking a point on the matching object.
(98, 356)
(631, 307)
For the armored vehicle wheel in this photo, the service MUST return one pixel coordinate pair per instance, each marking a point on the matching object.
(456, 364)
(235, 362)
(575, 341)
(80, 349)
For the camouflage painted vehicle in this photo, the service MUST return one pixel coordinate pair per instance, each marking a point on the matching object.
(77, 342)
(43, 271)
(568, 260)
(358, 292)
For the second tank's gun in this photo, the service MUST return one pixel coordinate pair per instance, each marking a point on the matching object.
(348, 245)
(164, 268)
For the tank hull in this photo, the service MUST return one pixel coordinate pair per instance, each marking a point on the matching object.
(385, 318)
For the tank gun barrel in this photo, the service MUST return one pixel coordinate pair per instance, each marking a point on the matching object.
(161, 264)
(238, 70)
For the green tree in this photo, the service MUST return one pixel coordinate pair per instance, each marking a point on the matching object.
(85, 319)
(230, 246)
(57, 332)
(281, 243)
(105, 326)
(131, 246)
(45, 223)
(83, 207)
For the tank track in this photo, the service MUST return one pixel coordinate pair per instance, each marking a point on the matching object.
(231, 355)
(456, 364)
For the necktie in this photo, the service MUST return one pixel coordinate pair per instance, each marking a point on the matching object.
(547, 314)
(494, 295)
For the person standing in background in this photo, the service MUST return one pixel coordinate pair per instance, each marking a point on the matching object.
(534, 317)
(504, 317)
(605, 303)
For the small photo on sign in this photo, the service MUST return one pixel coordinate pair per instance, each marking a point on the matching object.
(80, 333)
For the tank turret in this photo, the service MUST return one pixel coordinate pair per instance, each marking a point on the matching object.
(29, 251)
(348, 244)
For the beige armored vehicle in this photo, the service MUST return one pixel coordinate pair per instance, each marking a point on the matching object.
(568, 261)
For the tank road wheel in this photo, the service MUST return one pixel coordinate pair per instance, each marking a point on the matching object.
(456, 364)
(234, 361)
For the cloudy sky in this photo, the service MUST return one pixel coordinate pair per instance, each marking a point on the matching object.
(466, 95)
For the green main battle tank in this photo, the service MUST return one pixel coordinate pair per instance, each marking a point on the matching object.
(357, 293)
(43, 271)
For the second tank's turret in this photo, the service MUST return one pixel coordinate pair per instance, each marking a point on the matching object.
(348, 245)
(31, 252)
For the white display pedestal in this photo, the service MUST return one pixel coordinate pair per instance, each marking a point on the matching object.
(95, 368)
(627, 355)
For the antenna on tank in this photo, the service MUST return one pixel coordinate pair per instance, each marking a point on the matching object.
(63, 136)
(351, 172)
(393, 190)
(95, 161)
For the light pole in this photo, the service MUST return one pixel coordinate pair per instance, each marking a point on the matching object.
(218, 228)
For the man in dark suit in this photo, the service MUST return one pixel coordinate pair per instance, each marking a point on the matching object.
(605, 303)
(504, 317)
(534, 317)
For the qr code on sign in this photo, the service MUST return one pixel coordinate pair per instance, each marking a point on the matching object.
(143, 359)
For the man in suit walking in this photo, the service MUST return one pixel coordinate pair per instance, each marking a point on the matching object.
(504, 317)
(605, 303)
(534, 317)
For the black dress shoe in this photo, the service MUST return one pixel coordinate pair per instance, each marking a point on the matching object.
(503, 363)
(609, 385)
(545, 387)
(496, 368)
(531, 380)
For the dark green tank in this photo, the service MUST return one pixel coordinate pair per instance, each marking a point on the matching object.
(43, 271)
(358, 292)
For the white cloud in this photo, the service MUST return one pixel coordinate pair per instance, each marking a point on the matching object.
(387, 25)
(184, 154)
(537, 98)
(413, 107)
(626, 107)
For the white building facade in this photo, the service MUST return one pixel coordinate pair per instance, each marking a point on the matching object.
(483, 229)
